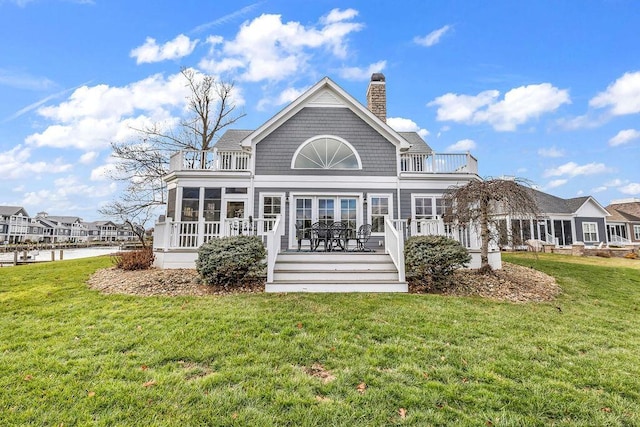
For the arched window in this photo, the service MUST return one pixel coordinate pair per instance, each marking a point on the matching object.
(326, 152)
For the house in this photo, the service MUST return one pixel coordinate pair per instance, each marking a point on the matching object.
(560, 222)
(101, 231)
(61, 229)
(623, 226)
(323, 158)
(14, 224)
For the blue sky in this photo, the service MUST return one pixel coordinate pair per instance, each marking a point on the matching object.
(545, 90)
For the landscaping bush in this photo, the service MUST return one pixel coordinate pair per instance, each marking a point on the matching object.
(231, 260)
(433, 258)
(140, 259)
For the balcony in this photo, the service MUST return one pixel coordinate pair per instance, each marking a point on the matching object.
(214, 160)
(426, 163)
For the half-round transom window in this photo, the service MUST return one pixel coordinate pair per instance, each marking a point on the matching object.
(326, 152)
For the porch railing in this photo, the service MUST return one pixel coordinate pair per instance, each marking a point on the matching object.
(273, 246)
(438, 163)
(212, 160)
(619, 240)
(394, 246)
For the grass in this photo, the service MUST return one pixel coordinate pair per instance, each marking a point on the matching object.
(70, 356)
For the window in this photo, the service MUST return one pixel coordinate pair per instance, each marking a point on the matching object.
(326, 152)
(590, 232)
(424, 208)
(379, 208)
(636, 232)
(212, 204)
(271, 207)
(190, 203)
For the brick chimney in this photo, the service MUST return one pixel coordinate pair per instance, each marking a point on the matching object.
(377, 96)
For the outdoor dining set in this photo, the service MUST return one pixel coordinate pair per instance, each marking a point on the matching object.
(333, 236)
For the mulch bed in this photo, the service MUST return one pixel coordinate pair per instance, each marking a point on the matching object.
(513, 283)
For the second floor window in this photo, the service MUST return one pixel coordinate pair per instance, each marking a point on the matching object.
(326, 152)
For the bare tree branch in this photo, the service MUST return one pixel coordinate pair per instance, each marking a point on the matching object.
(141, 163)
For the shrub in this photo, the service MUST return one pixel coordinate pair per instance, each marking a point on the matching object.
(140, 259)
(433, 258)
(231, 260)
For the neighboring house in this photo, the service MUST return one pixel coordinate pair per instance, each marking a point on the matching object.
(323, 158)
(101, 231)
(623, 226)
(561, 222)
(62, 229)
(126, 234)
(14, 224)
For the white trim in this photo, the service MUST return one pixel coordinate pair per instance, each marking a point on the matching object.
(261, 197)
(317, 137)
(636, 232)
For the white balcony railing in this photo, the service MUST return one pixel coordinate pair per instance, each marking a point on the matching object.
(212, 160)
(438, 163)
(618, 240)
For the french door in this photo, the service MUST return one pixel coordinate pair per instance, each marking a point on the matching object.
(327, 209)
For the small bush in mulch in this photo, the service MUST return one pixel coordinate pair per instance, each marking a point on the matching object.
(631, 255)
(141, 259)
(431, 260)
(231, 261)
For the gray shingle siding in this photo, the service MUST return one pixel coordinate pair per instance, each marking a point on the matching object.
(275, 152)
(405, 200)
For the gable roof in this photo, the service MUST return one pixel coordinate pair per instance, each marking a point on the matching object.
(231, 139)
(617, 215)
(64, 219)
(549, 204)
(326, 91)
(418, 145)
(630, 208)
(12, 210)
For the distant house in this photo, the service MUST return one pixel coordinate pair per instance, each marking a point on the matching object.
(623, 226)
(560, 222)
(102, 231)
(61, 229)
(14, 224)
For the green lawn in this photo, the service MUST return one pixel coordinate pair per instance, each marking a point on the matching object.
(70, 356)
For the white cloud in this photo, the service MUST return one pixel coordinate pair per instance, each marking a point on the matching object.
(624, 136)
(632, 188)
(622, 96)
(285, 97)
(616, 182)
(337, 15)
(15, 164)
(358, 73)
(150, 51)
(92, 117)
(66, 191)
(556, 183)
(551, 152)
(268, 49)
(89, 157)
(433, 37)
(400, 124)
(519, 105)
(573, 169)
(463, 145)
(22, 80)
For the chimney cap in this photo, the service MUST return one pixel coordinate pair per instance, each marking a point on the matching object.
(377, 77)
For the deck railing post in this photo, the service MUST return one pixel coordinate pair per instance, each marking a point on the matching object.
(167, 233)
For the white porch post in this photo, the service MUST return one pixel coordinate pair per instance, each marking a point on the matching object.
(200, 231)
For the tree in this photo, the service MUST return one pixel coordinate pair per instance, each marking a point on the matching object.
(478, 203)
(142, 162)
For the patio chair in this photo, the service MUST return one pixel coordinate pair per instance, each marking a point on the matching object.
(303, 234)
(320, 232)
(339, 235)
(362, 237)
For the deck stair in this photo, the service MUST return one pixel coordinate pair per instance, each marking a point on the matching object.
(335, 272)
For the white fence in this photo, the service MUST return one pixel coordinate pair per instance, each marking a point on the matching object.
(438, 163)
(212, 160)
